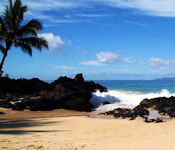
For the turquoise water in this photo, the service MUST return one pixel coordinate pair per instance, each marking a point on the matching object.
(145, 86)
(129, 93)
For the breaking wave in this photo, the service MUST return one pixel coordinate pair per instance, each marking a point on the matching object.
(124, 99)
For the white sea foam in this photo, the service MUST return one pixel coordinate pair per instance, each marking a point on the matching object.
(126, 99)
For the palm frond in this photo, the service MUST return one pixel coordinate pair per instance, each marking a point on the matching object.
(24, 47)
(8, 18)
(34, 23)
(35, 42)
(31, 28)
(3, 28)
(10, 4)
(18, 12)
(14, 14)
(27, 32)
(12, 32)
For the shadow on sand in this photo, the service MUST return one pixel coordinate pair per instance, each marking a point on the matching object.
(13, 126)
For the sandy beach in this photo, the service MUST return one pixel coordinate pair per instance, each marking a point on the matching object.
(74, 132)
(70, 70)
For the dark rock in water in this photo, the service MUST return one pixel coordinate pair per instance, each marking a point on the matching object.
(104, 103)
(162, 105)
(35, 95)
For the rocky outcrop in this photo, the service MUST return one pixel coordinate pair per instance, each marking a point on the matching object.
(161, 106)
(67, 93)
(77, 83)
(22, 86)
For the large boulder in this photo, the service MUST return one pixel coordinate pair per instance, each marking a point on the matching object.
(77, 83)
(73, 100)
(34, 94)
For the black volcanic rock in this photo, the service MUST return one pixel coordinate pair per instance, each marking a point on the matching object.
(77, 84)
(22, 86)
(35, 95)
(163, 105)
(79, 78)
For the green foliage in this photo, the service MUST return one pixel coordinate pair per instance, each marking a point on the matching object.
(14, 33)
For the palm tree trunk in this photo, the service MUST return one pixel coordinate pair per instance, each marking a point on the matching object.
(2, 63)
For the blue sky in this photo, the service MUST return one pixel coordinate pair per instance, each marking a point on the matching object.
(103, 39)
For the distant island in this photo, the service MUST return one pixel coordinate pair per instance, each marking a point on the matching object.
(170, 78)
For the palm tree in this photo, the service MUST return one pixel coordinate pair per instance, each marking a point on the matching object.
(15, 34)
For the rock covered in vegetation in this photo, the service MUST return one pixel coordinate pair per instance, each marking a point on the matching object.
(34, 94)
(162, 106)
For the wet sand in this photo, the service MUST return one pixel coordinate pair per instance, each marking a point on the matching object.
(62, 131)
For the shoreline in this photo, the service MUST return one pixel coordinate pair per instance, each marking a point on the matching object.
(80, 132)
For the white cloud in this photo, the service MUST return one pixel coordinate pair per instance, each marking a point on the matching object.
(151, 7)
(133, 60)
(160, 63)
(55, 42)
(102, 58)
(64, 67)
(107, 57)
(165, 8)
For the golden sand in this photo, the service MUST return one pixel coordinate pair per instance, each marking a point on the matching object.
(82, 133)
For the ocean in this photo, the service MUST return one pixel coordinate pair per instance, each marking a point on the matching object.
(129, 93)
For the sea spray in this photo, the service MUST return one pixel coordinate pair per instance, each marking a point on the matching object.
(124, 99)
